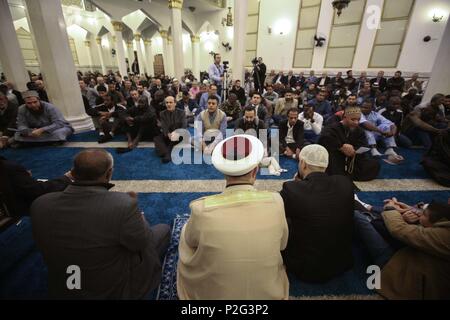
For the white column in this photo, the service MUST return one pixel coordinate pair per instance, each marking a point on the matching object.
(55, 58)
(87, 43)
(130, 52)
(440, 75)
(10, 53)
(149, 57)
(177, 34)
(323, 29)
(141, 60)
(195, 55)
(98, 41)
(240, 29)
(120, 52)
(164, 37)
(170, 55)
(367, 36)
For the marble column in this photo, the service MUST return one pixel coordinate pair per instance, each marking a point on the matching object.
(149, 57)
(10, 53)
(440, 74)
(120, 52)
(141, 60)
(130, 51)
(177, 34)
(240, 26)
(49, 28)
(170, 55)
(98, 41)
(165, 36)
(195, 55)
(87, 43)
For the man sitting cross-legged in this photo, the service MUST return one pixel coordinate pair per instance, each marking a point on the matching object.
(40, 122)
(210, 126)
(319, 211)
(100, 234)
(171, 119)
(230, 246)
(376, 128)
(108, 116)
(291, 134)
(138, 122)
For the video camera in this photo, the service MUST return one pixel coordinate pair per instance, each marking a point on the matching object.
(226, 65)
(255, 61)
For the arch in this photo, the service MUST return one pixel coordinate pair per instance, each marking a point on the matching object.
(102, 32)
(206, 26)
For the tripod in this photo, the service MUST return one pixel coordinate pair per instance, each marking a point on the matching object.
(225, 88)
(258, 84)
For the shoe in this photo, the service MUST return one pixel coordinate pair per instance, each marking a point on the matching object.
(123, 150)
(166, 160)
(104, 138)
(390, 152)
(375, 153)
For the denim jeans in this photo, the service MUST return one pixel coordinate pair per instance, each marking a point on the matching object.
(378, 248)
(310, 136)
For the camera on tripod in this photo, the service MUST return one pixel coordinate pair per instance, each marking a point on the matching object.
(226, 65)
(255, 61)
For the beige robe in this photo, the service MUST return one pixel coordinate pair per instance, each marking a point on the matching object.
(230, 247)
(422, 269)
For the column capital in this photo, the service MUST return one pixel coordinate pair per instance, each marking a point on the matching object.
(117, 25)
(148, 42)
(164, 34)
(169, 39)
(129, 44)
(137, 36)
(98, 40)
(175, 4)
(195, 38)
(87, 43)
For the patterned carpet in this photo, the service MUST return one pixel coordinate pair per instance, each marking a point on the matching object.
(165, 192)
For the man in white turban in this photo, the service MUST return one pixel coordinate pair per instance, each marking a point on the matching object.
(230, 247)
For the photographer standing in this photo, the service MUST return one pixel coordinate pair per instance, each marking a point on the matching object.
(259, 74)
(215, 73)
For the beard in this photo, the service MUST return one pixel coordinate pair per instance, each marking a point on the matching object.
(249, 125)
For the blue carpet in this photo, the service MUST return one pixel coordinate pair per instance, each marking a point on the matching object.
(23, 274)
(144, 164)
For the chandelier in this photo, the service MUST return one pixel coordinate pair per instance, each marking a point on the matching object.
(228, 21)
(339, 5)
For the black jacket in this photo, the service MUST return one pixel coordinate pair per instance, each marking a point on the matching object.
(319, 211)
(382, 83)
(298, 133)
(171, 121)
(19, 189)
(244, 126)
(95, 112)
(327, 81)
(240, 93)
(141, 115)
(104, 234)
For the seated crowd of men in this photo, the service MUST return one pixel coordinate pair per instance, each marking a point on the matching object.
(324, 124)
(392, 112)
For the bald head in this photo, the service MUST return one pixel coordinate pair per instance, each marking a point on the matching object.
(93, 165)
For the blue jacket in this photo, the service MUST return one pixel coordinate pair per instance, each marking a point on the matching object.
(323, 108)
